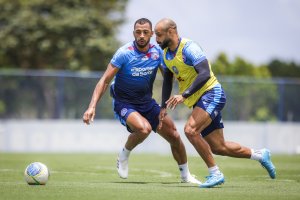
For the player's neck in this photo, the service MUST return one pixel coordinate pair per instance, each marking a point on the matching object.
(175, 43)
(142, 49)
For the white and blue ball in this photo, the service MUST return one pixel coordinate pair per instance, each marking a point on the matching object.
(36, 173)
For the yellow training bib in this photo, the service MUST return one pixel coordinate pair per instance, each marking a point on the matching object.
(186, 74)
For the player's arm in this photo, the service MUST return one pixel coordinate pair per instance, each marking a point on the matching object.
(161, 69)
(166, 93)
(99, 90)
(167, 87)
(195, 55)
(203, 71)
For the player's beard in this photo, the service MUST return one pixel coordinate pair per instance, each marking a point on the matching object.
(164, 44)
(142, 45)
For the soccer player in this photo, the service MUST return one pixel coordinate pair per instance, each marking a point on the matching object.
(134, 67)
(199, 89)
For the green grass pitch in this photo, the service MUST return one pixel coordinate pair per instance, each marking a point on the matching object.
(151, 176)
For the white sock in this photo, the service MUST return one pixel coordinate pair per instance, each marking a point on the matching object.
(184, 170)
(256, 155)
(124, 154)
(214, 169)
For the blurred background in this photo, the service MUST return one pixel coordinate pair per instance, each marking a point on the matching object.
(52, 53)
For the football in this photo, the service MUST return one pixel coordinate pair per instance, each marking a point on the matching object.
(36, 173)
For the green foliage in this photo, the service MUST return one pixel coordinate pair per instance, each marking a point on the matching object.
(284, 69)
(238, 67)
(69, 34)
(244, 99)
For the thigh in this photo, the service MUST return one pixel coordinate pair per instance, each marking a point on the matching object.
(207, 111)
(199, 119)
(168, 129)
(129, 116)
(212, 101)
(136, 122)
(151, 112)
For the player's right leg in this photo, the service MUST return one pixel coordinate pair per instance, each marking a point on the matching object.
(139, 129)
(198, 121)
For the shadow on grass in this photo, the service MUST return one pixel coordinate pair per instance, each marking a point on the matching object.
(168, 184)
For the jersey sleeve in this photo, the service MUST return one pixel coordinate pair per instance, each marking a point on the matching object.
(193, 53)
(119, 58)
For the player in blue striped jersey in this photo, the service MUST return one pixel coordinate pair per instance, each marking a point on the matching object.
(133, 68)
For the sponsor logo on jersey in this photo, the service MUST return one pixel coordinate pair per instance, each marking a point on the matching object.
(145, 58)
(142, 71)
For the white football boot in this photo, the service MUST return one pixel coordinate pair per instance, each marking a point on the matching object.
(190, 179)
(122, 166)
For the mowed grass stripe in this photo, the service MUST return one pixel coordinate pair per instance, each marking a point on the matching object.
(151, 176)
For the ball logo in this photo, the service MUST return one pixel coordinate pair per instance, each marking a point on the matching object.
(123, 112)
(34, 169)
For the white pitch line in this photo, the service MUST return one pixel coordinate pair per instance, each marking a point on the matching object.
(158, 172)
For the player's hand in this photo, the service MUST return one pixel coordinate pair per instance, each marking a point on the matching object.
(174, 101)
(89, 115)
(162, 114)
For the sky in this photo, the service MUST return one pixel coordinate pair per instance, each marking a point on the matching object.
(256, 30)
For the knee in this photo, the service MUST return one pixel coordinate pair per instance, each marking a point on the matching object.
(171, 135)
(190, 131)
(144, 131)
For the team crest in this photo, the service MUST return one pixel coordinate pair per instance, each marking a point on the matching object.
(175, 70)
(154, 56)
(123, 112)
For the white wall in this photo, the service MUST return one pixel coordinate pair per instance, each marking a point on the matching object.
(110, 136)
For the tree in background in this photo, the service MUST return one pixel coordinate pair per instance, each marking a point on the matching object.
(286, 73)
(238, 67)
(279, 68)
(54, 34)
(245, 100)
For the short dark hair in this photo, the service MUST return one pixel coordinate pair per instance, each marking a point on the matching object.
(143, 21)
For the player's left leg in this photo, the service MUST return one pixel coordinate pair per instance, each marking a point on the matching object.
(169, 132)
(219, 146)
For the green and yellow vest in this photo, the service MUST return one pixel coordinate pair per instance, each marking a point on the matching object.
(186, 74)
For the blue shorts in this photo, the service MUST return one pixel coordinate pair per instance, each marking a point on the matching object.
(213, 101)
(150, 111)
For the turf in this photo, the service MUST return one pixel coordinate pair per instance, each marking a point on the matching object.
(151, 176)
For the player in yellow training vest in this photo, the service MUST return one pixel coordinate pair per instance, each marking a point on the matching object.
(199, 88)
